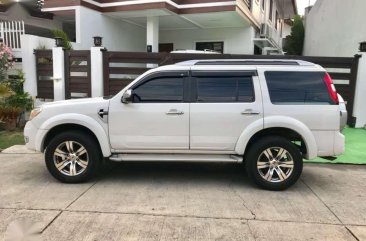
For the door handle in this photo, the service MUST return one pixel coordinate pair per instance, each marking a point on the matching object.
(174, 112)
(250, 112)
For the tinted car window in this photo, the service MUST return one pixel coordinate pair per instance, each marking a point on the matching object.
(297, 87)
(225, 89)
(159, 90)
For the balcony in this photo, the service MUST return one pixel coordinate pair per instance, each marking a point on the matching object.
(248, 3)
(269, 38)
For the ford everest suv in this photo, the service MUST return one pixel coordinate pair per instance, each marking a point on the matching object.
(268, 114)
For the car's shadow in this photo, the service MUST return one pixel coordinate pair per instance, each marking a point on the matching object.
(226, 173)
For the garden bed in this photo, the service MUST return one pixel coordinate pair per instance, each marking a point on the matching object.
(10, 138)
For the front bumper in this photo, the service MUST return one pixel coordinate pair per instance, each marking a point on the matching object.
(33, 136)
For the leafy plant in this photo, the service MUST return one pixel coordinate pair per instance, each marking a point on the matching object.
(58, 33)
(14, 101)
(295, 42)
(5, 91)
(43, 60)
(41, 47)
(6, 60)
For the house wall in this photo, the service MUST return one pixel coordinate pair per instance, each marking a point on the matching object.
(236, 40)
(335, 28)
(117, 35)
(286, 30)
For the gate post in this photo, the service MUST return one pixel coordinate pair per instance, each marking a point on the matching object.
(58, 73)
(96, 64)
(360, 90)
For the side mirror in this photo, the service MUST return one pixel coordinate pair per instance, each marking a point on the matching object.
(127, 97)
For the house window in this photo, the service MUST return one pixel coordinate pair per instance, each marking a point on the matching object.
(277, 20)
(270, 9)
(215, 46)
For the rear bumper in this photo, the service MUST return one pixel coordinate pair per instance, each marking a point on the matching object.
(339, 143)
(329, 143)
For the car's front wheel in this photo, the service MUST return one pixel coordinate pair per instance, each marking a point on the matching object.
(274, 163)
(72, 157)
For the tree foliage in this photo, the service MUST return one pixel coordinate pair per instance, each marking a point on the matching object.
(295, 42)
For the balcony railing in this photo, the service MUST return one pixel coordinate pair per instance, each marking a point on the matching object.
(248, 3)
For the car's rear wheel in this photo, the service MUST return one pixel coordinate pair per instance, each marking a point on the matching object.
(274, 163)
(72, 157)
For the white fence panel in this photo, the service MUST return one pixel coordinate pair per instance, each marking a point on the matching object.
(10, 32)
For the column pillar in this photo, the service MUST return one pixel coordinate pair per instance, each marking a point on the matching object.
(152, 33)
(58, 56)
(96, 61)
(359, 110)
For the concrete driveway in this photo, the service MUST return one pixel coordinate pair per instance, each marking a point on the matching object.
(177, 201)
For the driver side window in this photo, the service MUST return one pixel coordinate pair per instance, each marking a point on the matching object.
(159, 90)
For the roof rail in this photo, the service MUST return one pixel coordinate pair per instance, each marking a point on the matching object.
(246, 62)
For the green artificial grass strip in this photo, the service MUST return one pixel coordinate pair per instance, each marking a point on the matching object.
(355, 148)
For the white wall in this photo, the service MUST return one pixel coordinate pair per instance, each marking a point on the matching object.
(29, 43)
(236, 40)
(286, 30)
(117, 35)
(360, 98)
(335, 28)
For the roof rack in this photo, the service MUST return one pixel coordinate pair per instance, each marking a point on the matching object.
(246, 62)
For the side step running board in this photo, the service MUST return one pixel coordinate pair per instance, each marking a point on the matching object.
(176, 157)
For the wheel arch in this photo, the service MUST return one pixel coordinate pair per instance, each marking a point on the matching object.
(78, 122)
(286, 127)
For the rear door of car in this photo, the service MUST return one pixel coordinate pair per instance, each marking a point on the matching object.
(224, 102)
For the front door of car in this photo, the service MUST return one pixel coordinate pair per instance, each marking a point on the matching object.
(224, 104)
(156, 117)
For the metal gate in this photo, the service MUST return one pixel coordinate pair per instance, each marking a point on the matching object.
(77, 74)
(120, 68)
(44, 74)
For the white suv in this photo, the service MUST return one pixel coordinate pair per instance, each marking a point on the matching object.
(269, 114)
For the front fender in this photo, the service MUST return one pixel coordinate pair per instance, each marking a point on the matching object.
(78, 119)
(279, 122)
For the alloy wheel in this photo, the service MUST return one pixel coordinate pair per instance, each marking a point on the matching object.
(71, 158)
(275, 164)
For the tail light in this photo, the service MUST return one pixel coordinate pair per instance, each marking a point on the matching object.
(331, 88)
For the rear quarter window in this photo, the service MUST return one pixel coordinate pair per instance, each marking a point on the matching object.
(289, 87)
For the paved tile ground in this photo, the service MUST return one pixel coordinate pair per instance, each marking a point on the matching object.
(177, 201)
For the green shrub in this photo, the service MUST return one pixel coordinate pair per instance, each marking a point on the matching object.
(57, 33)
(295, 42)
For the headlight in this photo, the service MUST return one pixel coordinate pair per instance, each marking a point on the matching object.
(35, 112)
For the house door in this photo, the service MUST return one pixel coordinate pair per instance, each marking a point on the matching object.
(166, 47)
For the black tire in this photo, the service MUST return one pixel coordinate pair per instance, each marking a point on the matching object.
(92, 151)
(256, 151)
